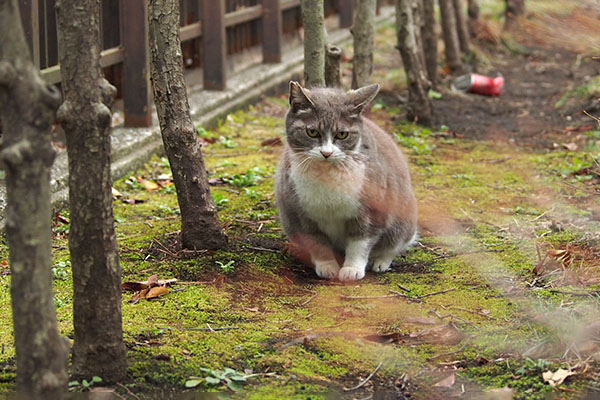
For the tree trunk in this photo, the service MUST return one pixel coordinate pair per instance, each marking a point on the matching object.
(200, 228)
(473, 13)
(514, 8)
(85, 115)
(419, 107)
(429, 38)
(450, 36)
(28, 108)
(363, 31)
(314, 42)
(417, 10)
(461, 26)
(333, 76)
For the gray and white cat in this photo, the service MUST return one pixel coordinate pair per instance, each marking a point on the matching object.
(343, 187)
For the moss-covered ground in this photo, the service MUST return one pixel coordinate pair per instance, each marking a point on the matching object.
(502, 286)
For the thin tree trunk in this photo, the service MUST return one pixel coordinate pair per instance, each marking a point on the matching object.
(473, 13)
(417, 9)
(363, 31)
(200, 226)
(450, 36)
(333, 57)
(420, 107)
(461, 26)
(314, 42)
(514, 8)
(28, 108)
(430, 40)
(85, 115)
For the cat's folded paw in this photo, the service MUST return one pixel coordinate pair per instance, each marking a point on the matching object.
(327, 269)
(381, 264)
(350, 274)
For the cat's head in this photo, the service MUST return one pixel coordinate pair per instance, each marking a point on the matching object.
(325, 123)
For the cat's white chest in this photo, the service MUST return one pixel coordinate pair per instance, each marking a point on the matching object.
(329, 196)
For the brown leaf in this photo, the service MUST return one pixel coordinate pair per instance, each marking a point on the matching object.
(156, 291)
(116, 193)
(134, 286)
(216, 181)
(447, 381)
(564, 256)
(149, 185)
(570, 146)
(581, 128)
(139, 295)
(152, 280)
(276, 141)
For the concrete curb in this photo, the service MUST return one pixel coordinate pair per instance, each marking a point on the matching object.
(132, 147)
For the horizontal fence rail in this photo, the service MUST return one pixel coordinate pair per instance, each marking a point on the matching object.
(211, 31)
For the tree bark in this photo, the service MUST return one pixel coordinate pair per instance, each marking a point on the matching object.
(363, 31)
(200, 226)
(333, 76)
(514, 8)
(429, 38)
(28, 107)
(85, 115)
(461, 26)
(450, 36)
(473, 13)
(314, 42)
(419, 107)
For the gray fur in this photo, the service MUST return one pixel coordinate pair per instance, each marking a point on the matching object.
(349, 193)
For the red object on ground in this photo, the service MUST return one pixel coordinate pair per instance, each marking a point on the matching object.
(480, 84)
(485, 85)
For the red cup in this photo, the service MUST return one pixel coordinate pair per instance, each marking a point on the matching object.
(482, 84)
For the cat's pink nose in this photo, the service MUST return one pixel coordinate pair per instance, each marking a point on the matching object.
(326, 153)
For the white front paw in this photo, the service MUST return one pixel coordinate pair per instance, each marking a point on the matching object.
(327, 269)
(381, 264)
(350, 274)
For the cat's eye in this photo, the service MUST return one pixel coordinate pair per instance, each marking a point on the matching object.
(313, 133)
(342, 135)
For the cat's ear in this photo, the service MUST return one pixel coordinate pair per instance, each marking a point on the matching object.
(360, 98)
(299, 97)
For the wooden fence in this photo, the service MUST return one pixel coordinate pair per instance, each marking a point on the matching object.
(211, 30)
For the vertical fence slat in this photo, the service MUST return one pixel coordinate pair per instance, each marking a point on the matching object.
(346, 11)
(134, 39)
(213, 36)
(30, 11)
(271, 31)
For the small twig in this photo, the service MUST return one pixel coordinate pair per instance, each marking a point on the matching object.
(129, 392)
(469, 252)
(246, 246)
(433, 293)
(581, 294)
(361, 384)
(467, 340)
(403, 288)
(591, 116)
(210, 329)
(305, 302)
(385, 296)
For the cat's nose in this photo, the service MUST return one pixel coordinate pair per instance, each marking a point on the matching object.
(326, 153)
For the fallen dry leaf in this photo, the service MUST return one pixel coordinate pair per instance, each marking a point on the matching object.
(556, 378)
(116, 193)
(134, 286)
(570, 146)
(153, 280)
(447, 381)
(156, 291)
(149, 185)
(564, 256)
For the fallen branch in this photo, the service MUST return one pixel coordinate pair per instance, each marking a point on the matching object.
(385, 296)
(361, 384)
(433, 293)
(129, 392)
